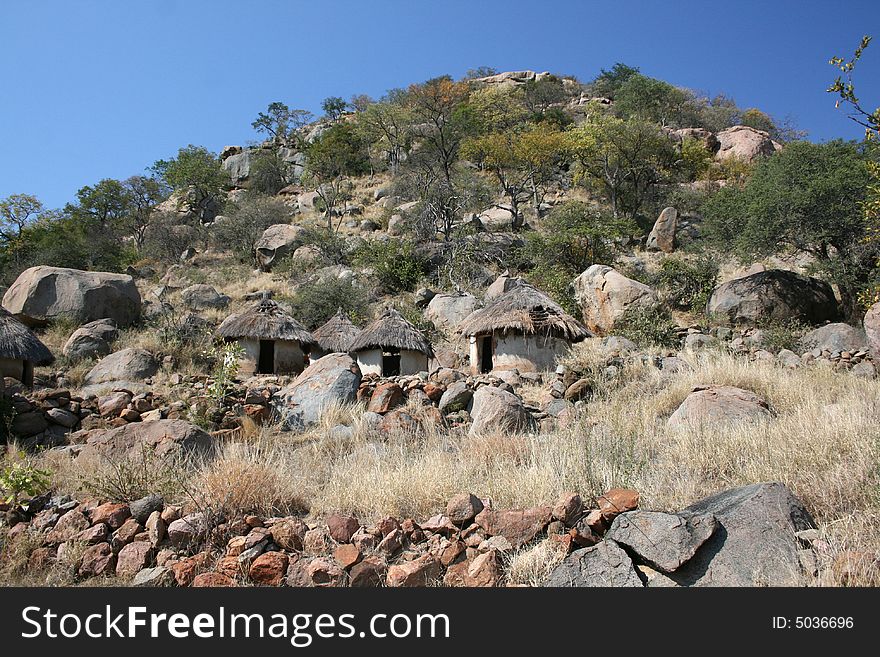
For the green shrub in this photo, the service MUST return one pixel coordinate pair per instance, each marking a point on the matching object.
(648, 327)
(314, 303)
(687, 285)
(396, 265)
(779, 335)
(246, 222)
(22, 479)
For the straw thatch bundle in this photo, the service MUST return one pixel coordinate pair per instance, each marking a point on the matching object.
(18, 342)
(526, 310)
(265, 320)
(392, 331)
(337, 334)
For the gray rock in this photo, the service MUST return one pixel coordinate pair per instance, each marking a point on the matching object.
(601, 565)
(238, 166)
(456, 397)
(91, 340)
(162, 438)
(276, 242)
(604, 295)
(28, 424)
(200, 296)
(188, 530)
(835, 337)
(662, 236)
(754, 544)
(63, 417)
(333, 379)
(716, 405)
(744, 143)
(864, 370)
(124, 365)
(663, 540)
(494, 409)
(698, 341)
(158, 576)
(872, 329)
(142, 509)
(775, 295)
(42, 294)
(619, 343)
(789, 359)
(448, 310)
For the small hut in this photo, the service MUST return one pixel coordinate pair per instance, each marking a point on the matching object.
(20, 350)
(522, 329)
(390, 346)
(273, 341)
(336, 336)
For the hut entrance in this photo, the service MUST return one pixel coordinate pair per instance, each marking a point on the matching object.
(266, 360)
(486, 355)
(390, 363)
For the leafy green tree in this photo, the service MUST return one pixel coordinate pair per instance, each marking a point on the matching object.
(16, 213)
(807, 198)
(197, 175)
(388, 127)
(281, 122)
(142, 195)
(395, 264)
(314, 303)
(334, 107)
(651, 99)
(607, 83)
(269, 173)
(335, 156)
(623, 159)
(755, 118)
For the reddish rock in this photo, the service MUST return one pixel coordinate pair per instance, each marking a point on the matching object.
(484, 570)
(617, 501)
(387, 525)
(440, 524)
(583, 536)
(368, 573)
(236, 546)
(386, 397)
(68, 526)
(342, 527)
(41, 558)
(398, 421)
(133, 558)
(325, 573)
(391, 544)
(228, 566)
(170, 514)
(258, 412)
(185, 570)
(156, 528)
(463, 507)
(565, 540)
(434, 391)
(347, 555)
(289, 533)
(418, 572)
(595, 522)
(452, 552)
(269, 568)
(316, 541)
(97, 560)
(113, 404)
(130, 415)
(125, 534)
(112, 514)
(364, 541)
(212, 580)
(518, 526)
(95, 534)
(568, 508)
(253, 521)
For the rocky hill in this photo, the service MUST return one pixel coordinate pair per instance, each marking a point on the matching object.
(383, 347)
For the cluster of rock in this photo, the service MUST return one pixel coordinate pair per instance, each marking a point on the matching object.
(610, 543)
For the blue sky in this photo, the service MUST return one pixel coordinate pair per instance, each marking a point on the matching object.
(102, 88)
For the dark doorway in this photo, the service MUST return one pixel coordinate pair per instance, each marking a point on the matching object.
(486, 355)
(391, 363)
(266, 362)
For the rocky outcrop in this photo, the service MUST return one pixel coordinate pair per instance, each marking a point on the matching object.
(662, 236)
(744, 143)
(448, 310)
(331, 380)
(127, 365)
(42, 294)
(602, 565)
(91, 340)
(715, 405)
(837, 337)
(494, 409)
(604, 295)
(164, 438)
(276, 242)
(201, 297)
(775, 295)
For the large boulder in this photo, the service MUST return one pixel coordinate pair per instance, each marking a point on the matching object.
(604, 295)
(662, 237)
(872, 329)
(715, 405)
(122, 366)
(277, 241)
(448, 310)
(331, 380)
(41, 294)
(500, 285)
(497, 218)
(835, 337)
(602, 565)
(164, 438)
(494, 409)
(754, 544)
(744, 143)
(91, 340)
(201, 296)
(776, 295)
(238, 166)
(664, 541)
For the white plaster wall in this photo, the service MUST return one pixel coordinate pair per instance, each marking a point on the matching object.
(413, 362)
(370, 361)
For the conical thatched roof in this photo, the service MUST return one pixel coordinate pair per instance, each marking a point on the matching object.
(337, 335)
(18, 342)
(265, 320)
(527, 310)
(392, 331)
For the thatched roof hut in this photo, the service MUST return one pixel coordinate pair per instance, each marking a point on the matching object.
(337, 334)
(525, 309)
(18, 342)
(391, 330)
(265, 320)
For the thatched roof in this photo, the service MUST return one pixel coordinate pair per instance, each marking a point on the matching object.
(527, 310)
(18, 342)
(265, 320)
(391, 331)
(337, 335)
